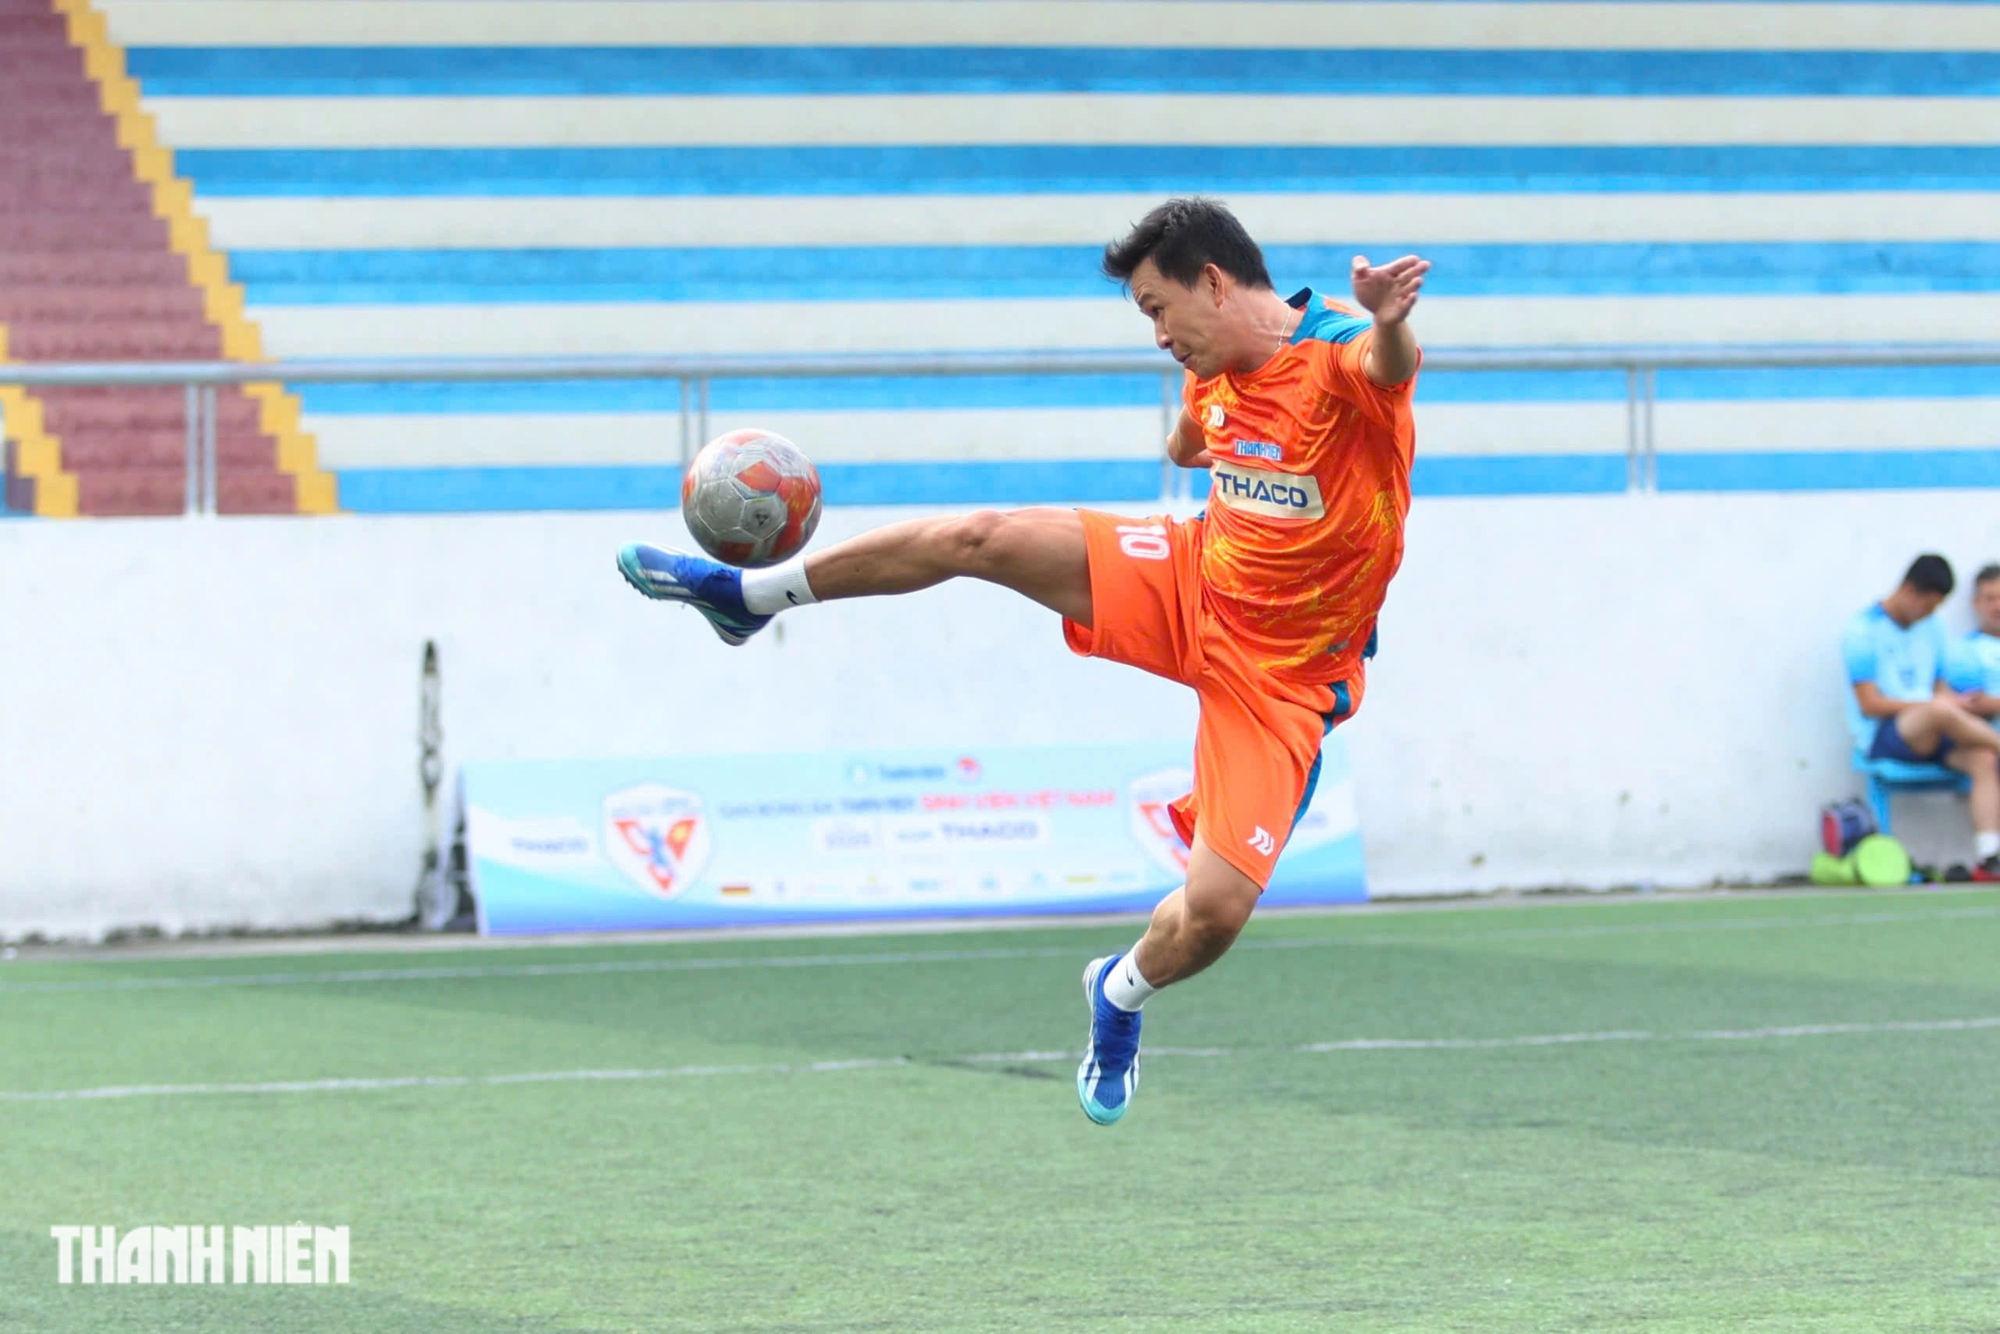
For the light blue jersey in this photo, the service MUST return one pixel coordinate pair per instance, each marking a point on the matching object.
(1903, 663)
(1975, 663)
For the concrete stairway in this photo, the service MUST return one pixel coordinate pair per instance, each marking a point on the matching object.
(87, 273)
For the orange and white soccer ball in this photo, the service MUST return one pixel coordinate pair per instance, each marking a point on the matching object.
(751, 498)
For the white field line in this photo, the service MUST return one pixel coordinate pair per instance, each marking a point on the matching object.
(1017, 1057)
(611, 966)
(358, 975)
(440, 1081)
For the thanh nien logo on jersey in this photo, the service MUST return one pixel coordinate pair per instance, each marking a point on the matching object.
(657, 837)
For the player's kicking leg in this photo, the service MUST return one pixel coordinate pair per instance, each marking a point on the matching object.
(1192, 928)
(1036, 552)
(1053, 556)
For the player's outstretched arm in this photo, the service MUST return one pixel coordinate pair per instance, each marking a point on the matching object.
(1186, 446)
(1389, 293)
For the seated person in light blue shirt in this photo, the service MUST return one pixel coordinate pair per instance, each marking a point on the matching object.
(1975, 667)
(1902, 706)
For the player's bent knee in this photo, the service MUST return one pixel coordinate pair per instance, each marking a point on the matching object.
(1922, 724)
(1218, 911)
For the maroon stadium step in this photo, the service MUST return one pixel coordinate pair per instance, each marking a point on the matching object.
(123, 340)
(22, 305)
(131, 447)
(90, 268)
(83, 231)
(256, 491)
(131, 490)
(70, 411)
(163, 491)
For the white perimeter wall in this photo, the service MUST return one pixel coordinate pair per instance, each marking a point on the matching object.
(212, 723)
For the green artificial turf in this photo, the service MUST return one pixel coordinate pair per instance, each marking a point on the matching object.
(1746, 1180)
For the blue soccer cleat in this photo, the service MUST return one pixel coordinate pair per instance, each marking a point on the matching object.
(710, 587)
(1110, 1071)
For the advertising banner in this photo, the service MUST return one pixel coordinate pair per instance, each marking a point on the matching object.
(733, 840)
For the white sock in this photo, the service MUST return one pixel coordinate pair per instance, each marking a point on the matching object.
(1986, 843)
(776, 588)
(1127, 987)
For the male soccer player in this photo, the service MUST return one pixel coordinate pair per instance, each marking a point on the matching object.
(1973, 669)
(1902, 705)
(1975, 666)
(1265, 605)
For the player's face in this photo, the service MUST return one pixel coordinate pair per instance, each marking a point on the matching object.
(1986, 605)
(1921, 603)
(1187, 321)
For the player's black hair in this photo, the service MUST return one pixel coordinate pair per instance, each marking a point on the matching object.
(1930, 573)
(1987, 574)
(1185, 235)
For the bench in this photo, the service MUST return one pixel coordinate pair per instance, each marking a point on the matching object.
(1888, 777)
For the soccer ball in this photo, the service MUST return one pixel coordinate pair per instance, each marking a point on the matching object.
(751, 498)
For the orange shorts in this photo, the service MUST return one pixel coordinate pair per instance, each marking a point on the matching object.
(1256, 748)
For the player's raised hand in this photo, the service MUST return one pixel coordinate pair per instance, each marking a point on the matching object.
(1390, 291)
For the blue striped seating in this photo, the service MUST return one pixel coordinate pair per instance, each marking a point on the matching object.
(464, 179)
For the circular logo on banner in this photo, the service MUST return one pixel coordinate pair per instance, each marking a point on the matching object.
(1147, 800)
(657, 837)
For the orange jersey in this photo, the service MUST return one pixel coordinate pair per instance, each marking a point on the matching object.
(1310, 483)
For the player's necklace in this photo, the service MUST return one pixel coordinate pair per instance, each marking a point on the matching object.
(1286, 326)
(1285, 330)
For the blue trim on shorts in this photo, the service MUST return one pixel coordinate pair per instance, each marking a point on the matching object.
(1890, 745)
(1312, 785)
(1343, 708)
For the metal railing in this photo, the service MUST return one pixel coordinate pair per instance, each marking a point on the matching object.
(1640, 365)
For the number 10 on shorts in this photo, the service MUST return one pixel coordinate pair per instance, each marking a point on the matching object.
(1144, 541)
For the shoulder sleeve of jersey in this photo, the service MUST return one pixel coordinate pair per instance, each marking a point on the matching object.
(1328, 321)
(1983, 652)
(1962, 668)
(1857, 650)
(1342, 369)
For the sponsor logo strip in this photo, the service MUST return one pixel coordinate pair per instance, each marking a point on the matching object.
(1276, 495)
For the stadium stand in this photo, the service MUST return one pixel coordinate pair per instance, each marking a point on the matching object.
(95, 265)
(518, 176)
